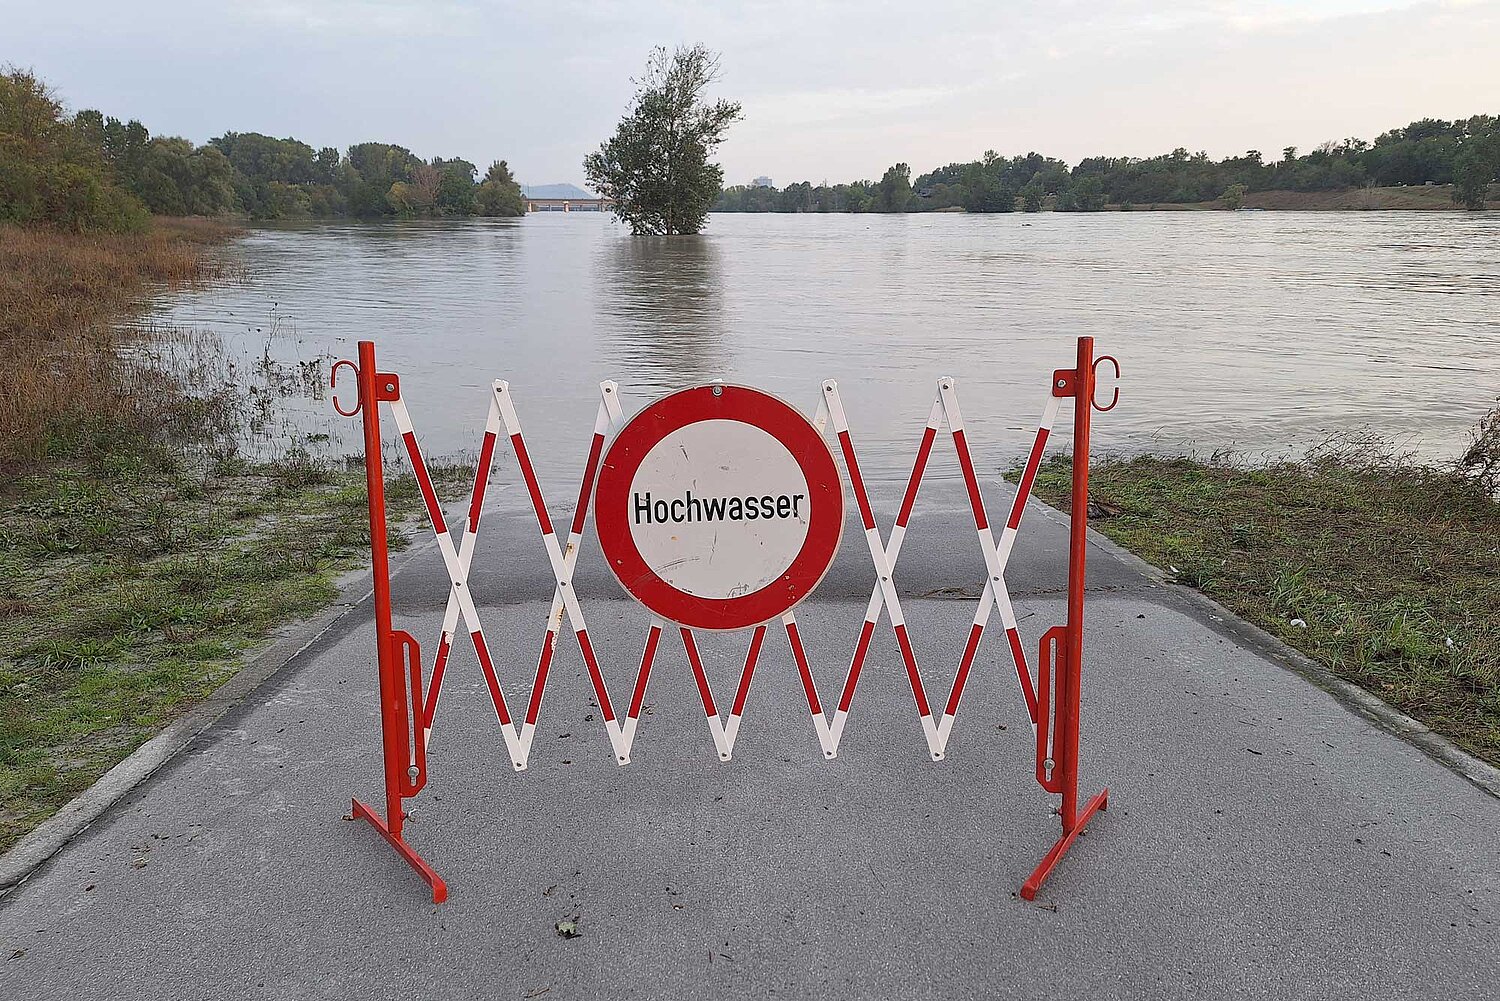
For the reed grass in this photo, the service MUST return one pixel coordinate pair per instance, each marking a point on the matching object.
(65, 303)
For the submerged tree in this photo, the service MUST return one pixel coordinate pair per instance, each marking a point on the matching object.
(656, 168)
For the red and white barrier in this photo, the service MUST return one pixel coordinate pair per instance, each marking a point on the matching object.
(407, 719)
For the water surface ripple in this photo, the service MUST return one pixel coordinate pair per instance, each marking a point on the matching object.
(1258, 331)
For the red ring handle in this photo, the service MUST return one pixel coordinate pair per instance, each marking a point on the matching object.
(1115, 400)
(333, 383)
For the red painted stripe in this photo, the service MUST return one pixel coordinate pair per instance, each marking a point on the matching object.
(856, 481)
(587, 649)
(703, 691)
(856, 664)
(1033, 461)
(1023, 671)
(962, 678)
(981, 520)
(800, 655)
(481, 479)
(531, 484)
(439, 665)
(489, 676)
(539, 685)
(424, 481)
(751, 658)
(581, 513)
(911, 671)
(915, 483)
(647, 658)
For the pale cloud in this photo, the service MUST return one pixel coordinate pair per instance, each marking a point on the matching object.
(428, 19)
(832, 90)
(819, 106)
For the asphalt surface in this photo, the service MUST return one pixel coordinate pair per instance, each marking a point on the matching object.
(1263, 841)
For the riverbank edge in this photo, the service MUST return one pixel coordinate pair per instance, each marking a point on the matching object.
(43, 842)
(206, 502)
(1351, 696)
(292, 641)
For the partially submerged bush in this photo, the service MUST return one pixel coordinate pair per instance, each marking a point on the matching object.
(62, 299)
(1481, 462)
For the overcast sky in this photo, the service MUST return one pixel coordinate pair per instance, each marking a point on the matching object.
(831, 90)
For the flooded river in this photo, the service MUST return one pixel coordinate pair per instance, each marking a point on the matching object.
(1262, 332)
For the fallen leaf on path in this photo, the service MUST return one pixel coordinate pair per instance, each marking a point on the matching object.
(567, 929)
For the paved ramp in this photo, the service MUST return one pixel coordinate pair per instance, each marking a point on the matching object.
(1262, 840)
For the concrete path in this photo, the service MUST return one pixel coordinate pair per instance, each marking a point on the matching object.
(1263, 841)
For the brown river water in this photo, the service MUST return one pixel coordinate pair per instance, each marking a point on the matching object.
(1261, 332)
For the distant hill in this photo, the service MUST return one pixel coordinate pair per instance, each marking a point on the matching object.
(554, 191)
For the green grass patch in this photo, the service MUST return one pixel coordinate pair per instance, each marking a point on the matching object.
(134, 581)
(1385, 570)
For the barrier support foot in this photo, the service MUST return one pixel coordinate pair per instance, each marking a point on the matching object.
(1044, 869)
(439, 888)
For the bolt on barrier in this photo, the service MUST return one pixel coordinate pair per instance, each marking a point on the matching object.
(768, 443)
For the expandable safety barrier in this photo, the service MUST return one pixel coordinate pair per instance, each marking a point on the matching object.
(1051, 700)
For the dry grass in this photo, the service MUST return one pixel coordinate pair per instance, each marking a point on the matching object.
(63, 298)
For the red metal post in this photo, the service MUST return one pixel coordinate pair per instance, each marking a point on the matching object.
(1078, 526)
(391, 681)
(1079, 384)
(394, 650)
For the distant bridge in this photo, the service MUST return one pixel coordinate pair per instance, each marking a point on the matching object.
(569, 204)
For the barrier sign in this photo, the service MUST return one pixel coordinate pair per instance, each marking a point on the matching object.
(719, 507)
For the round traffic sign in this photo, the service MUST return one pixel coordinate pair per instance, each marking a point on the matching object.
(719, 507)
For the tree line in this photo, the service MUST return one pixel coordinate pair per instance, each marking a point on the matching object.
(92, 172)
(1464, 153)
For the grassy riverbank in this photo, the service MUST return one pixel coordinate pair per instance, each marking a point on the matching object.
(141, 556)
(1404, 198)
(1383, 569)
(63, 297)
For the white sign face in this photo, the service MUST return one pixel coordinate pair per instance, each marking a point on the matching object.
(719, 509)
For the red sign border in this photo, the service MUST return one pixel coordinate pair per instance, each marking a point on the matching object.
(759, 409)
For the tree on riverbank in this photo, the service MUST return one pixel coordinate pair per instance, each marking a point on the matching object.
(91, 172)
(499, 194)
(1464, 152)
(1473, 169)
(49, 171)
(656, 167)
(893, 191)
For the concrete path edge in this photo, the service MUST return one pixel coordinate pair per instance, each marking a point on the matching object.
(47, 838)
(1354, 698)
